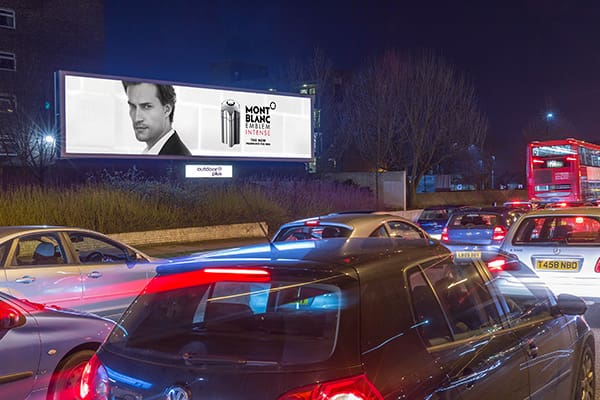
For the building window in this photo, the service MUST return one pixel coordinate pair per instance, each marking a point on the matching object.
(7, 18)
(8, 103)
(8, 61)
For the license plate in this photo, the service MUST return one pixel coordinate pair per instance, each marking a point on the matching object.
(557, 265)
(468, 254)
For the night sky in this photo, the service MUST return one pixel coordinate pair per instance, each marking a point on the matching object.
(520, 55)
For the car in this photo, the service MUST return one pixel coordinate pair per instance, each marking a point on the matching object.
(563, 246)
(519, 204)
(44, 350)
(349, 225)
(362, 318)
(433, 219)
(72, 268)
(469, 231)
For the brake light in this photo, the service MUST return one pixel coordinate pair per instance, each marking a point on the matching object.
(354, 388)
(499, 233)
(445, 237)
(570, 158)
(312, 222)
(496, 265)
(94, 381)
(597, 267)
(538, 161)
(204, 276)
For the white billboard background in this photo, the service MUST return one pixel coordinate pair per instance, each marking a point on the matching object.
(97, 122)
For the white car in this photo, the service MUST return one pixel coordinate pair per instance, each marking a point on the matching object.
(72, 268)
(562, 246)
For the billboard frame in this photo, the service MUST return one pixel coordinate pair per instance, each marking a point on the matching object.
(60, 101)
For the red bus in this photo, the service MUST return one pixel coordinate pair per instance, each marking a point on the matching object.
(565, 170)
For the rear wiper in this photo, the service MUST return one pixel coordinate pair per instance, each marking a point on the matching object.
(221, 360)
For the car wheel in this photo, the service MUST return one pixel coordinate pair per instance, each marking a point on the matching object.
(586, 379)
(65, 380)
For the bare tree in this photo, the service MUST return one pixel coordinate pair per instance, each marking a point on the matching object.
(371, 117)
(442, 116)
(32, 139)
(323, 81)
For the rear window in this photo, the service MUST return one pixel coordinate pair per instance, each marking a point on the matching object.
(563, 229)
(316, 232)
(475, 220)
(274, 321)
(428, 215)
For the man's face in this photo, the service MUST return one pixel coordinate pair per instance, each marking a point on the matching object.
(149, 117)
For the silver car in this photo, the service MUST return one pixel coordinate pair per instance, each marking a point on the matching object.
(563, 246)
(72, 268)
(43, 351)
(350, 225)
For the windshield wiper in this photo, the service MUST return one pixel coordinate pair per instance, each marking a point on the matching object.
(223, 360)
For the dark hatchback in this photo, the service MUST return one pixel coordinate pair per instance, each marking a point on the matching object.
(345, 320)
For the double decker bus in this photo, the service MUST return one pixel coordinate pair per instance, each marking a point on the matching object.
(566, 170)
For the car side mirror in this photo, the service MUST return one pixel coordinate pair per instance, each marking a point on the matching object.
(10, 318)
(571, 305)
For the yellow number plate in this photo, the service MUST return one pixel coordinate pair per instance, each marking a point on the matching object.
(557, 265)
(468, 254)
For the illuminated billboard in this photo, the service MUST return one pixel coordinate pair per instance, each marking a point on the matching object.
(109, 116)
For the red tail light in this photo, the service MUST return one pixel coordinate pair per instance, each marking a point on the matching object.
(312, 222)
(496, 265)
(538, 161)
(354, 388)
(597, 267)
(94, 381)
(445, 235)
(499, 233)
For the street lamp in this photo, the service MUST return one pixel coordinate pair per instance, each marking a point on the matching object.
(493, 159)
(549, 117)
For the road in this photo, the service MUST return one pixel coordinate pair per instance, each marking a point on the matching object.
(592, 316)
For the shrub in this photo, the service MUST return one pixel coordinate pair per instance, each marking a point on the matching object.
(129, 202)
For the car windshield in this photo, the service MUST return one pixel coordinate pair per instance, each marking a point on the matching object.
(551, 228)
(273, 321)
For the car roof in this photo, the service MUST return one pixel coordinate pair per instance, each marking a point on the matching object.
(351, 219)
(444, 207)
(595, 211)
(319, 253)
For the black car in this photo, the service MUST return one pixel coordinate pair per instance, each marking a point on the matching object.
(346, 319)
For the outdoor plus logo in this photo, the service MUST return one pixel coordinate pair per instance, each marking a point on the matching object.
(258, 123)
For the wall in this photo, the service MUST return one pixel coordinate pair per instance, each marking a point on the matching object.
(471, 198)
(199, 234)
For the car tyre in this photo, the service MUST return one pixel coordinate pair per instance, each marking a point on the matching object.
(65, 380)
(586, 378)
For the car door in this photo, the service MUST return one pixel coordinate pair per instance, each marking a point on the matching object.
(38, 268)
(466, 335)
(111, 275)
(20, 349)
(547, 338)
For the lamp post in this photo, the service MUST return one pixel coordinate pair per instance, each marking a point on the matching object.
(493, 159)
(549, 117)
